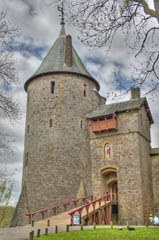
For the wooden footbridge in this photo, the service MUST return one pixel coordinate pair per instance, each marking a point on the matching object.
(97, 211)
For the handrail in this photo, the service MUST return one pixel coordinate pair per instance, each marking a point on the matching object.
(56, 206)
(106, 197)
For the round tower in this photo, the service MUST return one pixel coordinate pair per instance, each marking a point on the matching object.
(57, 158)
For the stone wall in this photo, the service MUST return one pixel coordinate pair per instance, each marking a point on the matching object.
(57, 158)
(155, 179)
(63, 159)
(132, 163)
(144, 151)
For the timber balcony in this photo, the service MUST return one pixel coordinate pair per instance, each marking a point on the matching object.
(104, 123)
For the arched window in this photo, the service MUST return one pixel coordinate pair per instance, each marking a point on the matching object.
(107, 151)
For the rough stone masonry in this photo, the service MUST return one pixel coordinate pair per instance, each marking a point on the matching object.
(76, 144)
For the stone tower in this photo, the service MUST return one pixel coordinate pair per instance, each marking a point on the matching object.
(120, 156)
(56, 152)
(77, 145)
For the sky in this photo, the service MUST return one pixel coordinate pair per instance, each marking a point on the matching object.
(39, 26)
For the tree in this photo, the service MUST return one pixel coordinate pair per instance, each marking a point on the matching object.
(5, 194)
(8, 77)
(100, 22)
(8, 107)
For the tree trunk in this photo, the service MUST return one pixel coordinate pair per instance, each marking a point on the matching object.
(156, 5)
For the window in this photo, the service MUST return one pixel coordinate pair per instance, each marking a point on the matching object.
(52, 87)
(28, 128)
(81, 124)
(107, 151)
(28, 95)
(101, 119)
(50, 123)
(141, 118)
(26, 159)
(84, 90)
(109, 117)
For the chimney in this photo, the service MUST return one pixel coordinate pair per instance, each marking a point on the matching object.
(102, 100)
(135, 93)
(68, 51)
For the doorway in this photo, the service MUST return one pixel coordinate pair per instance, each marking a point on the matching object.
(113, 189)
(111, 186)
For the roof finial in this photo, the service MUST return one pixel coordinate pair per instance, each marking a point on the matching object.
(61, 10)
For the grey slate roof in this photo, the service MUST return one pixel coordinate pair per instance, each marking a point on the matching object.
(55, 61)
(103, 110)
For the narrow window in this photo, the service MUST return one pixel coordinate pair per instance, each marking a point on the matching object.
(109, 117)
(84, 90)
(28, 96)
(28, 128)
(141, 119)
(26, 159)
(81, 124)
(101, 119)
(94, 120)
(50, 123)
(52, 87)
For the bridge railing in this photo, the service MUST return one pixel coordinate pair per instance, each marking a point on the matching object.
(57, 206)
(107, 197)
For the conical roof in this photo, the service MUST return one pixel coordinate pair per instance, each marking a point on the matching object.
(62, 57)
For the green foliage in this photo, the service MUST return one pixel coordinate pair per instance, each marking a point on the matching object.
(5, 193)
(6, 214)
(150, 233)
(5, 211)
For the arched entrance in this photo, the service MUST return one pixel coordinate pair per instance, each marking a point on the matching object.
(111, 186)
(110, 175)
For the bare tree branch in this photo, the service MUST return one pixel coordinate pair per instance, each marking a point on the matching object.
(9, 108)
(147, 9)
(101, 21)
(145, 38)
(8, 75)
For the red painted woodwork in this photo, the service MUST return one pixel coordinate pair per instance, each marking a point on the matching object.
(104, 123)
(55, 207)
(106, 197)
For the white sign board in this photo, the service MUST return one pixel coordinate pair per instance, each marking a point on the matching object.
(76, 219)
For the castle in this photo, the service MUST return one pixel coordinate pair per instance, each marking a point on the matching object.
(76, 144)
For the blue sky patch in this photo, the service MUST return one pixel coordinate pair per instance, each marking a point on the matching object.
(28, 49)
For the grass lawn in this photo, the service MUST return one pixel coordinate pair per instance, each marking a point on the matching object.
(150, 233)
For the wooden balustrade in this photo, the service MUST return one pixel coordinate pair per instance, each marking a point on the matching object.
(55, 207)
(107, 198)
